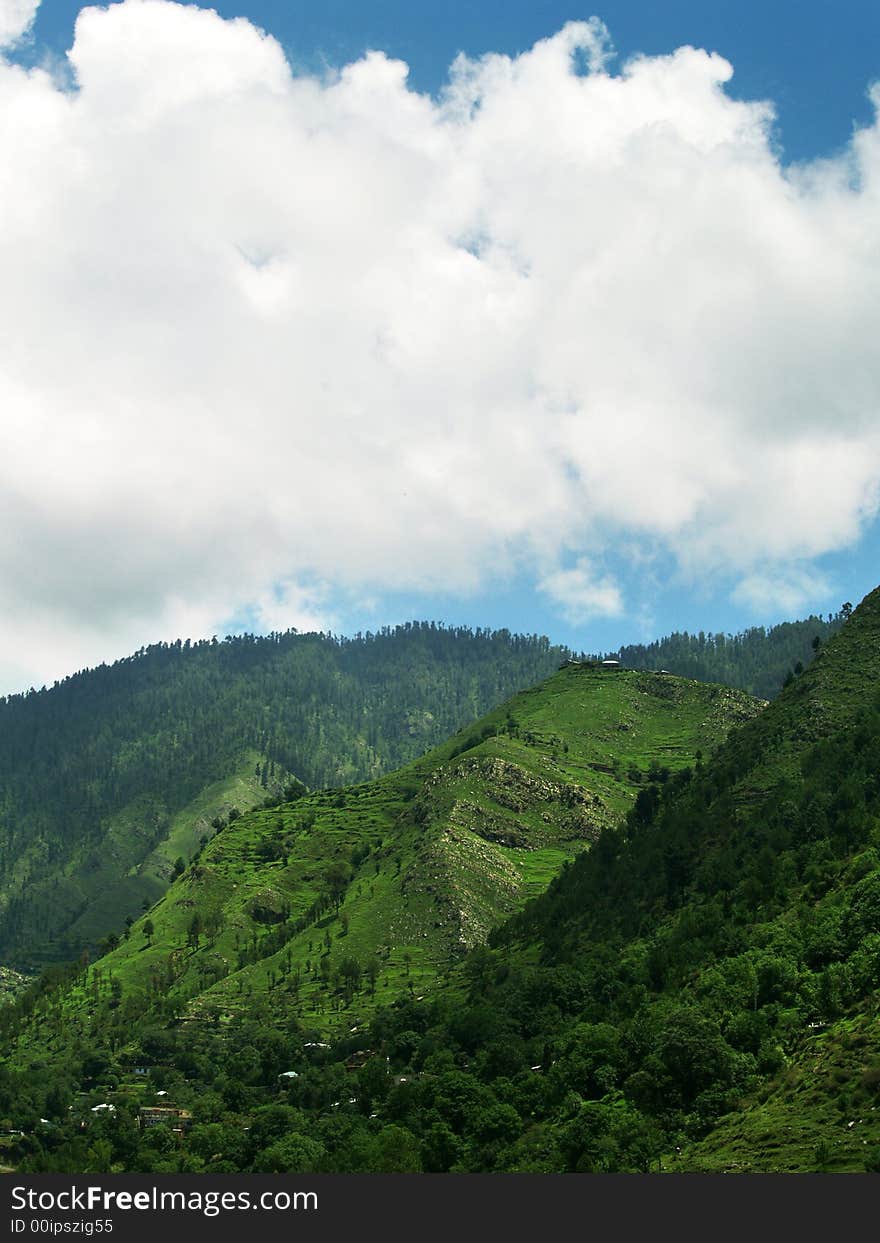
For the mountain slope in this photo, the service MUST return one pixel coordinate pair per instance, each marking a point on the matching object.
(819, 1114)
(316, 913)
(700, 990)
(418, 866)
(109, 776)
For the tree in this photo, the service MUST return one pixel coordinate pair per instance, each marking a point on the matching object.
(294, 1154)
(350, 974)
(396, 1151)
(148, 930)
(371, 971)
(57, 1100)
(338, 876)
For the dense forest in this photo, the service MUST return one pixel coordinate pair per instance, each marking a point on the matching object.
(94, 771)
(699, 991)
(758, 660)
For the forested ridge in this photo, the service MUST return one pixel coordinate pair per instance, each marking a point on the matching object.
(94, 769)
(757, 660)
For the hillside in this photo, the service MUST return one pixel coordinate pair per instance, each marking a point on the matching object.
(415, 868)
(699, 992)
(110, 777)
(314, 914)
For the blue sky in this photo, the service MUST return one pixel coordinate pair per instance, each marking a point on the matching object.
(814, 60)
(586, 361)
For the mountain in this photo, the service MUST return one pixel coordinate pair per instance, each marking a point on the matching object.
(699, 991)
(418, 866)
(312, 916)
(696, 991)
(110, 779)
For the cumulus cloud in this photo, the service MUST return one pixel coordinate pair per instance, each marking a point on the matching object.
(16, 17)
(581, 593)
(790, 588)
(262, 331)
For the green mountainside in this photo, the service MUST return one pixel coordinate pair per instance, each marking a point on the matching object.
(111, 776)
(699, 991)
(417, 867)
(316, 914)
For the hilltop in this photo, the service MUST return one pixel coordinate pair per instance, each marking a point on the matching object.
(759, 660)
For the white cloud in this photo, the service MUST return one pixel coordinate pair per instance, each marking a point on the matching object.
(16, 17)
(782, 592)
(581, 594)
(260, 329)
(289, 605)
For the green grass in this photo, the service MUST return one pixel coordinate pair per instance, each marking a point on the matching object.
(821, 1114)
(537, 868)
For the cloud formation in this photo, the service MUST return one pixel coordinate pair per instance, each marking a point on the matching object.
(16, 17)
(262, 331)
(581, 593)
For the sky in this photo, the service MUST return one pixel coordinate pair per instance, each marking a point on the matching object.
(333, 315)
